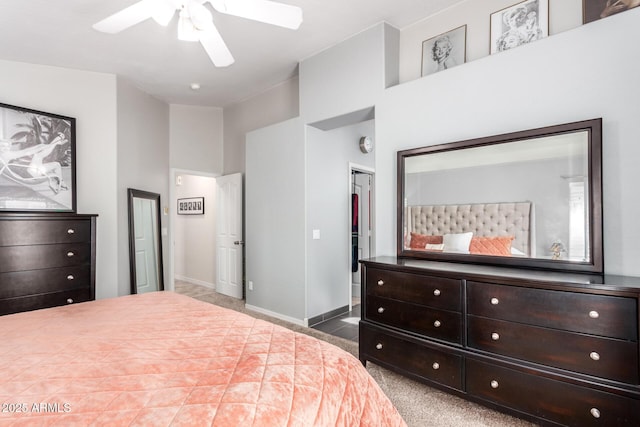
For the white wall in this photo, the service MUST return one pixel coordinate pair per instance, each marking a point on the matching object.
(196, 138)
(143, 164)
(194, 235)
(275, 105)
(328, 210)
(347, 77)
(91, 99)
(571, 76)
(563, 15)
(275, 219)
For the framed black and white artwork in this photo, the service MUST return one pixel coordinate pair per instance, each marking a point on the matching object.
(592, 10)
(522, 23)
(444, 51)
(37, 161)
(191, 206)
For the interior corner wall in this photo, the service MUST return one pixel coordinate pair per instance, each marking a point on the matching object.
(563, 15)
(328, 210)
(345, 78)
(194, 235)
(275, 105)
(195, 138)
(142, 163)
(275, 219)
(572, 76)
(90, 98)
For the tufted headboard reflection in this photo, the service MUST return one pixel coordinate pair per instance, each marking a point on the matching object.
(483, 219)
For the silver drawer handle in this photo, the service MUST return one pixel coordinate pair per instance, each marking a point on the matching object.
(71, 231)
(437, 323)
(495, 336)
(380, 282)
(594, 314)
(436, 292)
(494, 384)
(595, 412)
(435, 366)
(380, 310)
(70, 300)
(379, 346)
(495, 301)
(70, 277)
(70, 254)
(595, 356)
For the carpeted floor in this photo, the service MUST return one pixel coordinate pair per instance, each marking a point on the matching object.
(419, 405)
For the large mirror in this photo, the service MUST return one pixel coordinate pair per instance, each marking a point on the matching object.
(145, 244)
(529, 199)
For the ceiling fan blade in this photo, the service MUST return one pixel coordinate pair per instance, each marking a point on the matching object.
(269, 12)
(215, 47)
(126, 18)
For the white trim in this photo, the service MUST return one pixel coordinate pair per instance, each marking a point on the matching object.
(304, 322)
(195, 282)
(371, 172)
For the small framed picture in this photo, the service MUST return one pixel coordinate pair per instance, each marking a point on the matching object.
(522, 23)
(592, 10)
(191, 206)
(37, 161)
(444, 51)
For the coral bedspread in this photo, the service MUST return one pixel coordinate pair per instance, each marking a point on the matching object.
(164, 359)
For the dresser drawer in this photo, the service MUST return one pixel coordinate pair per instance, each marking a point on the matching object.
(443, 368)
(592, 314)
(549, 399)
(603, 357)
(18, 258)
(36, 232)
(31, 282)
(433, 291)
(34, 302)
(439, 324)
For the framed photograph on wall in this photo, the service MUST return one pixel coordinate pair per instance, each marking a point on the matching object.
(37, 161)
(522, 23)
(191, 206)
(444, 51)
(592, 10)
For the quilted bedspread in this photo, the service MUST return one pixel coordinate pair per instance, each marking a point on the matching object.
(163, 359)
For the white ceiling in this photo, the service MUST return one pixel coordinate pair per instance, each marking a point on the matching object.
(59, 33)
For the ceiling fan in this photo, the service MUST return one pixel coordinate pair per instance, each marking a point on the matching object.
(195, 21)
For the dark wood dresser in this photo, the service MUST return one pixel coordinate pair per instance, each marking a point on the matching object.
(554, 348)
(46, 260)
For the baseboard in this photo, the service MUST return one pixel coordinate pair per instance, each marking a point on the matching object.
(195, 281)
(328, 315)
(298, 322)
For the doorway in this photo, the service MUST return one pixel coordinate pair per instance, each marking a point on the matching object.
(362, 230)
(192, 235)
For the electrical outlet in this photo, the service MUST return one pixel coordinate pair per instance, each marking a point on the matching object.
(250, 285)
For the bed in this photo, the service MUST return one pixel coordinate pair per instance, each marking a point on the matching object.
(503, 229)
(163, 359)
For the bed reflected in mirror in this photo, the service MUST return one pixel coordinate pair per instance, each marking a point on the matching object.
(145, 244)
(530, 198)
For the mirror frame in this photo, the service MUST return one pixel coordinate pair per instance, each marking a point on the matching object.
(131, 194)
(595, 265)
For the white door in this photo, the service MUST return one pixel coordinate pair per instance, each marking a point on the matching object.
(229, 242)
(146, 251)
(362, 187)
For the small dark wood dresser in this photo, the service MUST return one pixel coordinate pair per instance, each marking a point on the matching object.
(554, 348)
(46, 260)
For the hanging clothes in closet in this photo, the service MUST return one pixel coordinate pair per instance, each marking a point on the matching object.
(354, 231)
